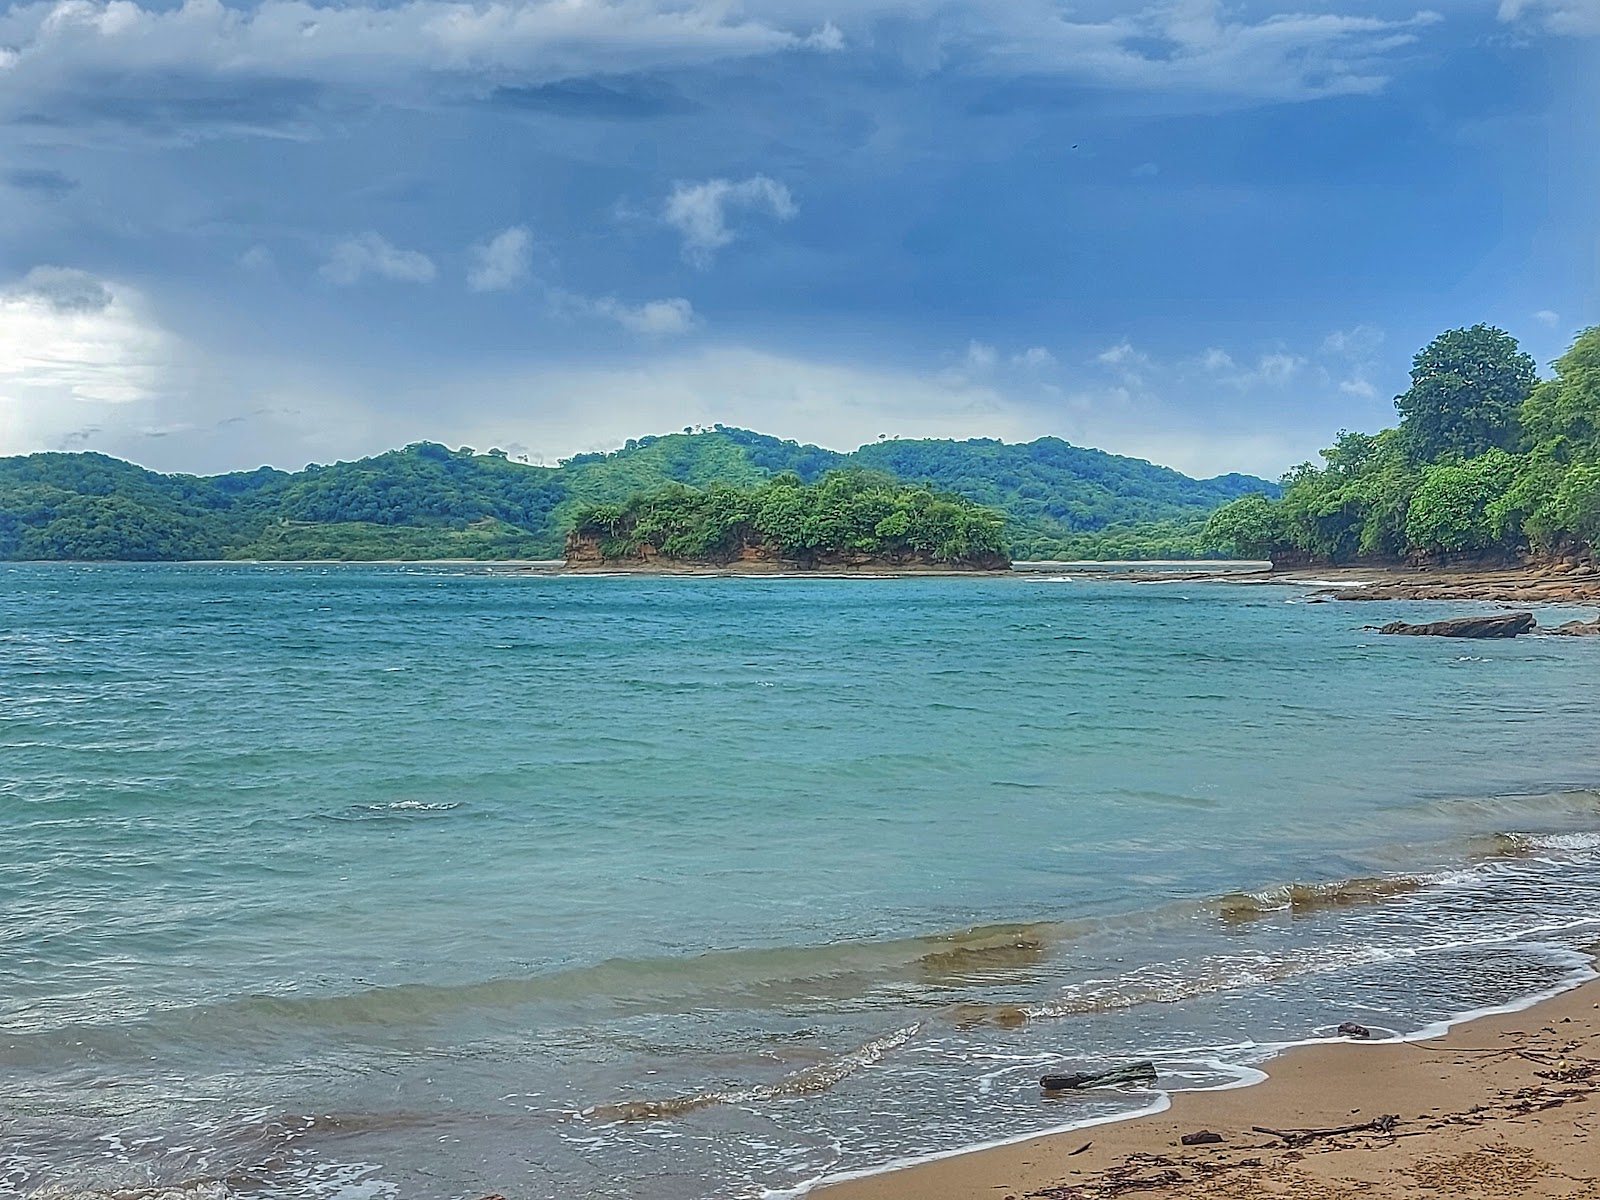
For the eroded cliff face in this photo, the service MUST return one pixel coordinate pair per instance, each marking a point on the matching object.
(584, 551)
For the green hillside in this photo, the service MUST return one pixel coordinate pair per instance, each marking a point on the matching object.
(427, 501)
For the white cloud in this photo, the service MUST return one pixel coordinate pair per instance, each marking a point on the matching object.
(1277, 368)
(1034, 358)
(372, 255)
(699, 211)
(501, 262)
(1148, 170)
(655, 318)
(1353, 354)
(1576, 18)
(1359, 344)
(980, 356)
(1545, 317)
(1273, 368)
(1120, 355)
(259, 259)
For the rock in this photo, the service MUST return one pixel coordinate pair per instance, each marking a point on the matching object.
(1203, 1138)
(1508, 625)
(1352, 1030)
(1579, 628)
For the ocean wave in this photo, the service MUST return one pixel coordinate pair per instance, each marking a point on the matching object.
(1302, 898)
(395, 808)
(811, 1081)
(199, 1189)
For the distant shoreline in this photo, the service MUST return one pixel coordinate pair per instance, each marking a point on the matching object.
(1558, 583)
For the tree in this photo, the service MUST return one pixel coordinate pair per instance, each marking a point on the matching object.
(1561, 419)
(1450, 510)
(1250, 527)
(1467, 387)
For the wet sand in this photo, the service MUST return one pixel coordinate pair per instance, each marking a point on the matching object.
(1500, 1108)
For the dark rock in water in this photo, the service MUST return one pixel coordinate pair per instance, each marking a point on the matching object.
(1139, 1072)
(1579, 628)
(1351, 1029)
(1203, 1138)
(1508, 625)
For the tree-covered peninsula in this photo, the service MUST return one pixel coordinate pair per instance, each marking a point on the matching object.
(848, 519)
(429, 501)
(1487, 464)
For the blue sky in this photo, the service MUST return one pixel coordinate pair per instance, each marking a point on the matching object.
(1209, 234)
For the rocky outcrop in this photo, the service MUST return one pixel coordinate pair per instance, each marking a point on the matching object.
(1508, 625)
(1579, 628)
(1550, 583)
(584, 552)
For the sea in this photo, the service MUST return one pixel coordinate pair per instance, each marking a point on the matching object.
(327, 882)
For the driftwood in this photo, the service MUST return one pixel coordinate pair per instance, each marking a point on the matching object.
(1139, 1072)
(1508, 625)
(1202, 1138)
(1299, 1137)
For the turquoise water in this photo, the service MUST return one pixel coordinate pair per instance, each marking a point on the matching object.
(369, 882)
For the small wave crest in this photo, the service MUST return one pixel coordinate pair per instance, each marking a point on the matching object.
(394, 808)
(813, 1080)
(1303, 898)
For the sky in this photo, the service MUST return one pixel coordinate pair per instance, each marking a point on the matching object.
(1210, 234)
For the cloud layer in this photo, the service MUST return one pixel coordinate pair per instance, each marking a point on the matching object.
(204, 67)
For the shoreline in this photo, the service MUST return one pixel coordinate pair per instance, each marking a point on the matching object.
(1504, 1099)
(1556, 583)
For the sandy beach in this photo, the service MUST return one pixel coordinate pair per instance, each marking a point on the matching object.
(1499, 1108)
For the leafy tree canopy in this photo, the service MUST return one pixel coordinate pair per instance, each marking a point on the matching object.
(1466, 393)
(846, 513)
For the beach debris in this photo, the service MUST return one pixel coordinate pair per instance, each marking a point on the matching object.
(1135, 1073)
(1351, 1030)
(1506, 625)
(1079, 1150)
(1298, 1137)
(1202, 1137)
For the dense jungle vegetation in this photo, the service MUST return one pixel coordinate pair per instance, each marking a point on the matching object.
(427, 501)
(1486, 462)
(846, 512)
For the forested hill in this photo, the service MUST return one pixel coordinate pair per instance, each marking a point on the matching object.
(427, 501)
